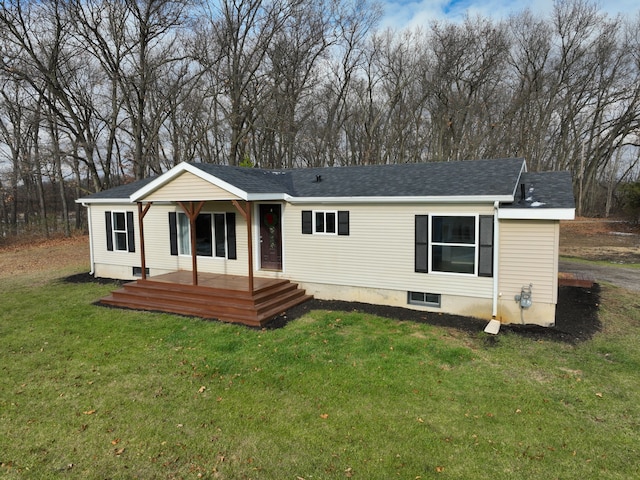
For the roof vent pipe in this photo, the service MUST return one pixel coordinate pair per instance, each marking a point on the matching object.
(318, 178)
(522, 192)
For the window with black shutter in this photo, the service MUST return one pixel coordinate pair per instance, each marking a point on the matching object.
(325, 222)
(120, 231)
(451, 244)
(215, 235)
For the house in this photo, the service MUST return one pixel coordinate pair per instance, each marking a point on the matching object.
(475, 238)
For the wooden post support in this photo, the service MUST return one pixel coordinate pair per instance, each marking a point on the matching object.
(192, 211)
(141, 213)
(245, 211)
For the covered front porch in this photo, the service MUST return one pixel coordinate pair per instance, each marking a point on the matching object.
(228, 298)
(207, 220)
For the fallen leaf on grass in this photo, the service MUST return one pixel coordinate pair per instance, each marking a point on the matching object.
(119, 451)
(202, 389)
(439, 469)
(599, 394)
(115, 441)
(324, 416)
(89, 412)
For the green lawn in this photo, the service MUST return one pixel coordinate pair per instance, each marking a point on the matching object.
(90, 392)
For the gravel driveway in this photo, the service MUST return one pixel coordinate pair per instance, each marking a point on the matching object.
(628, 278)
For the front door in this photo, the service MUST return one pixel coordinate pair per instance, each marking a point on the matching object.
(270, 237)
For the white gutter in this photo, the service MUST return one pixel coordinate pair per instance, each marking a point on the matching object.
(534, 213)
(396, 200)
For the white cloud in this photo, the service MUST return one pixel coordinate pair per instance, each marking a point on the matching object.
(411, 13)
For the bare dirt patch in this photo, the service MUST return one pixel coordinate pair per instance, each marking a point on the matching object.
(44, 255)
(606, 240)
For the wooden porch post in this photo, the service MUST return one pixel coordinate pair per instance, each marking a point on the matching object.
(245, 211)
(192, 211)
(141, 213)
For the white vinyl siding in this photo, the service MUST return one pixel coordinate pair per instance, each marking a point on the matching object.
(101, 254)
(157, 243)
(529, 255)
(378, 253)
(189, 187)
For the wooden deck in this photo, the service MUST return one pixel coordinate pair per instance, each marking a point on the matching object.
(222, 297)
(583, 280)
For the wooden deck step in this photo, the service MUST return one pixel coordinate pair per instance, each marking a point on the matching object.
(255, 308)
(566, 279)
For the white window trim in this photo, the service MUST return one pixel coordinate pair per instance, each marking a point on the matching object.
(213, 236)
(325, 212)
(115, 232)
(474, 245)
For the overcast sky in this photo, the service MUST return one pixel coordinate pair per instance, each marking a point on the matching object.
(402, 13)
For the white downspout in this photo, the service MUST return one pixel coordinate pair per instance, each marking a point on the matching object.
(89, 224)
(496, 251)
(493, 326)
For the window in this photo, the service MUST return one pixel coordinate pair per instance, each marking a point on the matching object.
(120, 233)
(137, 271)
(454, 244)
(215, 234)
(325, 222)
(119, 230)
(424, 299)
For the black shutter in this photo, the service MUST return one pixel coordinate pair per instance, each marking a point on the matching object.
(173, 233)
(485, 245)
(343, 222)
(131, 239)
(307, 222)
(107, 221)
(422, 244)
(220, 233)
(231, 236)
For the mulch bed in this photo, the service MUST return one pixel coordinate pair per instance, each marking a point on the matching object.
(576, 314)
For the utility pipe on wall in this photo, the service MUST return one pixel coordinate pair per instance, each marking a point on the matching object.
(496, 250)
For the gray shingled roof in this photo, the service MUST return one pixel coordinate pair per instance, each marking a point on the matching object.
(544, 190)
(500, 177)
(122, 192)
(447, 179)
(435, 179)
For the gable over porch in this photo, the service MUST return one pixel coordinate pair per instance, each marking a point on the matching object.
(235, 298)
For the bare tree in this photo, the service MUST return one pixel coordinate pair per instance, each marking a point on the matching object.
(36, 37)
(465, 84)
